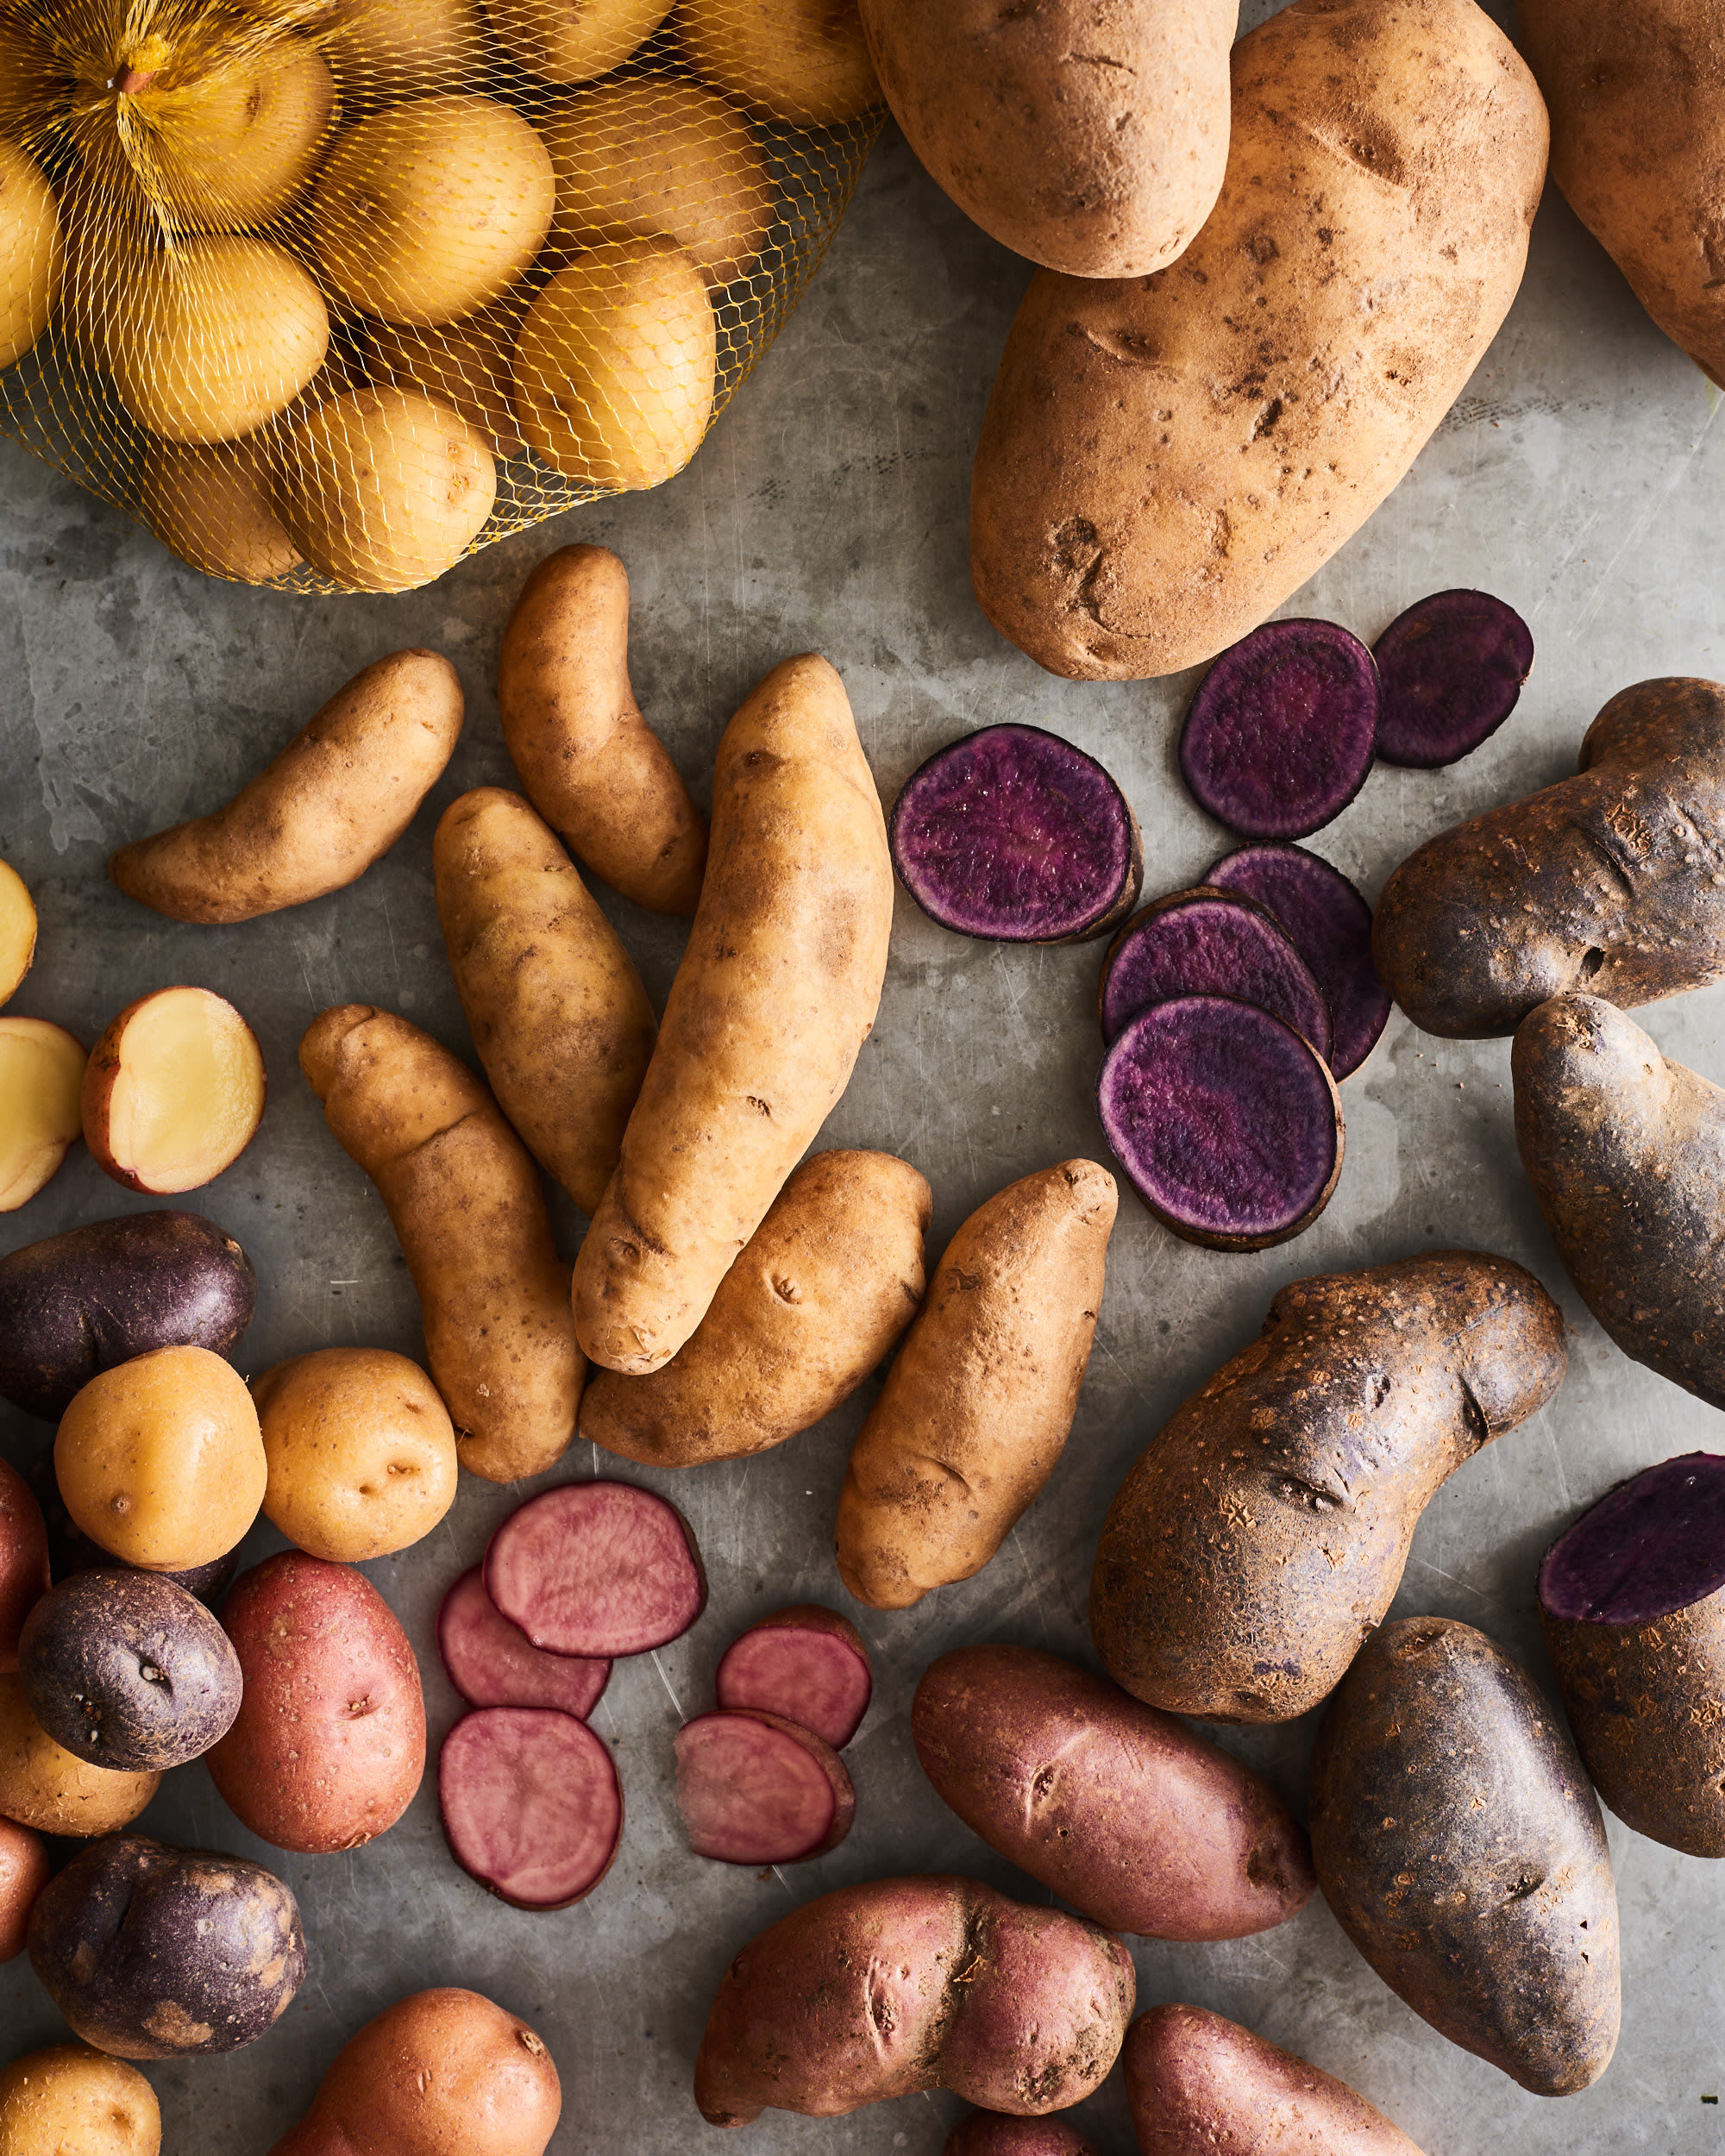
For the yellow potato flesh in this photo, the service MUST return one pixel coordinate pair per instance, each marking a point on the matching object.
(211, 505)
(32, 254)
(44, 1786)
(70, 2098)
(18, 930)
(801, 60)
(189, 1092)
(565, 43)
(41, 1075)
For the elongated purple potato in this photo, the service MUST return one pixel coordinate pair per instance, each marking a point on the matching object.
(1226, 1120)
(597, 1569)
(530, 1803)
(996, 2134)
(1014, 834)
(1280, 735)
(1211, 942)
(1329, 923)
(1450, 670)
(492, 1663)
(806, 1662)
(758, 1789)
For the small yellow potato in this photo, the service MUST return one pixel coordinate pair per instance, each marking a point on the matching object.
(649, 157)
(44, 1786)
(18, 930)
(72, 2100)
(32, 86)
(208, 341)
(388, 51)
(360, 1449)
(573, 41)
(32, 253)
(614, 368)
(41, 1077)
(384, 488)
(173, 1093)
(801, 60)
(430, 211)
(211, 505)
(159, 1460)
(468, 364)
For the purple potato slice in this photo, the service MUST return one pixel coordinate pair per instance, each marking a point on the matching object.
(1210, 943)
(1449, 671)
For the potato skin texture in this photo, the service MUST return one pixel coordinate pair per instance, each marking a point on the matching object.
(23, 1874)
(43, 1786)
(1132, 1818)
(1262, 1534)
(71, 2097)
(899, 1985)
(23, 1559)
(817, 1300)
(334, 801)
(995, 2134)
(775, 995)
(1090, 136)
(438, 2073)
(555, 1006)
(1197, 2081)
(590, 763)
(1163, 463)
(465, 1200)
(1460, 1848)
(976, 1408)
(1602, 883)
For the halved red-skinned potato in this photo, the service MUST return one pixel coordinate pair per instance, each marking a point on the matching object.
(174, 1091)
(41, 1071)
(17, 930)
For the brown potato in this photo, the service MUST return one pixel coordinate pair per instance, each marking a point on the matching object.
(32, 252)
(211, 505)
(802, 61)
(565, 44)
(44, 1787)
(816, 1300)
(71, 2097)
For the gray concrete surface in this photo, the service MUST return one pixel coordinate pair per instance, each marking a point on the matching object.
(1580, 476)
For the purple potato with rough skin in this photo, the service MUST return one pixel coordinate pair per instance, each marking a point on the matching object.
(1451, 670)
(1631, 1600)
(898, 1985)
(1203, 942)
(1135, 1820)
(996, 2133)
(1329, 923)
(1013, 835)
(1459, 1846)
(1264, 1532)
(1226, 1121)
(71, 1550)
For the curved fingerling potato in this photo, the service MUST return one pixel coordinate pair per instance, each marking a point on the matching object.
(334, 801)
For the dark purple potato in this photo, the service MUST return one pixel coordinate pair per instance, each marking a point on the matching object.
(71, 1552)
(1449, 671)
(531, 1804)
(1014, 834)
(755, 1789)
(598, 1569)
(492, 1663)
(156, 1952)
(1210, 943)
(1280, 735)
(1329, 924)
(1632, 1603)
(807, 1664)
(78, 1303)
(1226, 1121)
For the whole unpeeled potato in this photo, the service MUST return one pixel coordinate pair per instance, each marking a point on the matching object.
(70, 2098)
(468, 364)
(211, 505)
(32, 254)
(560, 43)
(44, 1786)
(385, 52)
(802, 61)
(33, 84)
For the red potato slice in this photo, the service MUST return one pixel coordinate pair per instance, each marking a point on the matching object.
(492, 1663)
(174, 1091)
(17, 930)
(755, 1789)
(599, 1568)
(531, 1805)
(41, 1074)
(807, 1664)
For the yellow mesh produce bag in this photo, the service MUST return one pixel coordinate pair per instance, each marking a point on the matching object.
(331, 292)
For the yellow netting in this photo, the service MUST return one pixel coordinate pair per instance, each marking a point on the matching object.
(330, 293)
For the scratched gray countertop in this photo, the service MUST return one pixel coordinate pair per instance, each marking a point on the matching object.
(1580, 476)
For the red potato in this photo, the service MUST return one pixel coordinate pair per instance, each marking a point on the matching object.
(18, 930)
(23, 1559)
(531, 1805)
(41, 1072)
(758, 1789)
(330, 1744)
(995, 2134)
(23, 1874)
(806, 1663)
(174, 1091)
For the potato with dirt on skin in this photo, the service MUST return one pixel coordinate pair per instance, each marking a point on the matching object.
(211, 507)
(32, 252)
(976, 1408)
(44, 1786)
(564, 44)
(71, 2097)
(816, 1300)
(23, 1874)
(805, 61)
(361, 1452)
(335, 800)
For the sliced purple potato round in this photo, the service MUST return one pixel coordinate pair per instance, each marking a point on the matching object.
(1210, 943)
(1632, 1601)
(1226, 1120)
(1449, 671)
(1013, 835)
(1329, 923)
(1281, 734)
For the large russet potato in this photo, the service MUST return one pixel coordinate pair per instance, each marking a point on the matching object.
(32, 252)
(1163, 462)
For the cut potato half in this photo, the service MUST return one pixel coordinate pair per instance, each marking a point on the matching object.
(41, 1071)
(174, 1091)
(17, 930)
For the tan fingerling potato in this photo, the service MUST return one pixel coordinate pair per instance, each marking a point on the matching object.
(44, 1787)
(18, 930)
(31, 250)
(553, 1000)
(468, 365)
(70, 2099)
(802, 61)
(211, 505)
(614, 366)
(360, 1450)
(591, 764)
(173, 1093)
(560, 43)
(335, 800)
(465, 1200)
(41, 1080)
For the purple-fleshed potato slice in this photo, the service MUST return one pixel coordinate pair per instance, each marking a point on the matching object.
(1651, 1546)
(807, 1664)
(492, 1663)
(1226, 1121)
(530, 1803)
(1449, 671)
(1211, 942)
(1014, 834)
(1281, 734)
(757, 1789)
(598, 1569)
